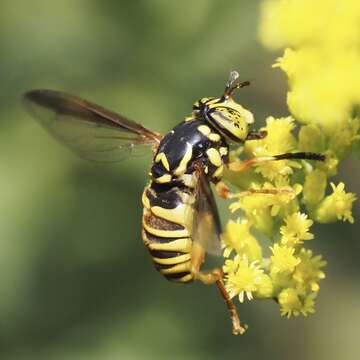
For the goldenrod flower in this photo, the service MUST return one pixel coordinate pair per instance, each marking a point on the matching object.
(323, 81)
(265, 288)
(307, 68)
(285, 201)
(296, 229)
(283, 259)
(311, 139)
(330, 165)
(291, 304)
(279, 140)
(308, 272)
(297, 22)
(237, 236)
(278, 201)
(346, 134)
(314, 187)
(242, 277)
(336, 206)
(257, 210)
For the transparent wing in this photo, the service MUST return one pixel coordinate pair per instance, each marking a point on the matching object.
(91, 131)
(206, 222)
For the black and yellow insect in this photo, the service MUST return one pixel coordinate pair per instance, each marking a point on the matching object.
(180, 221)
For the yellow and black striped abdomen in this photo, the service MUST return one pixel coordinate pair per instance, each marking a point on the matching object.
(166, 233)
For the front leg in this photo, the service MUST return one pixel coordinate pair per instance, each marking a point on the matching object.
(238, 166)
(223, 190)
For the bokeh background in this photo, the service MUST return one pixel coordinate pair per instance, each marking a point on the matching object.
(75, 279)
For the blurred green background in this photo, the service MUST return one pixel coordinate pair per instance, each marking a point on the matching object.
(75, 279)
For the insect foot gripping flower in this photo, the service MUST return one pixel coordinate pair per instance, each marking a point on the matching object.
(279, 197)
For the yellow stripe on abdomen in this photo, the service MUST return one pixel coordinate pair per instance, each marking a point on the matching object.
(168, 242)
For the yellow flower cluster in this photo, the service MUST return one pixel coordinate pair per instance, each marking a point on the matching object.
(291, 270)
(272, 207)
(322, 58)
(277, 202)
(336, 206)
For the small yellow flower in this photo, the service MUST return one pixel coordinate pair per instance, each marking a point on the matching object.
(260, 208)
(237, 236)
(242, 277)
(279, 140)
(308, 272)
(230, 266)
(265, 289)
(281, 19)
(309, 304)
(336, 206)
(323, 82)
(257, 210)
(345, 136)
(291, 304)
(296, 229)
(277, 198)
(314, 187)
(283, 259)
(311, 99)
(285, 202)
(281, 280)
(293, 23)
(330, 165)
(311, 139)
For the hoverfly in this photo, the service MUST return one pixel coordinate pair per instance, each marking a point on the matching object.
(180, 222)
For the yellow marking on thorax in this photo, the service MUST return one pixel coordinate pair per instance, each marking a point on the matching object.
(162, 157)
(184, 161)
(219, 172)
(189, 180)
(188, 199)
(223, 151)
(214, 137)
(204, 129)
(163, 179)
(214, 157)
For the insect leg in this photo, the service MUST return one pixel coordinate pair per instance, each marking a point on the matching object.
(237, 329)
(244, 165)
(197, 259)
(256, 135)
(223, 191)
(215, 276)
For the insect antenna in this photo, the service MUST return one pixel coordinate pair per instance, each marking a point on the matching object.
(233, 84)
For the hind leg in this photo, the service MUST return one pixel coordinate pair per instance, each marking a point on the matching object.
(214, 276)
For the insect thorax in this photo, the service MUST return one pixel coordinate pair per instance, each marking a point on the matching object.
(190, 142)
